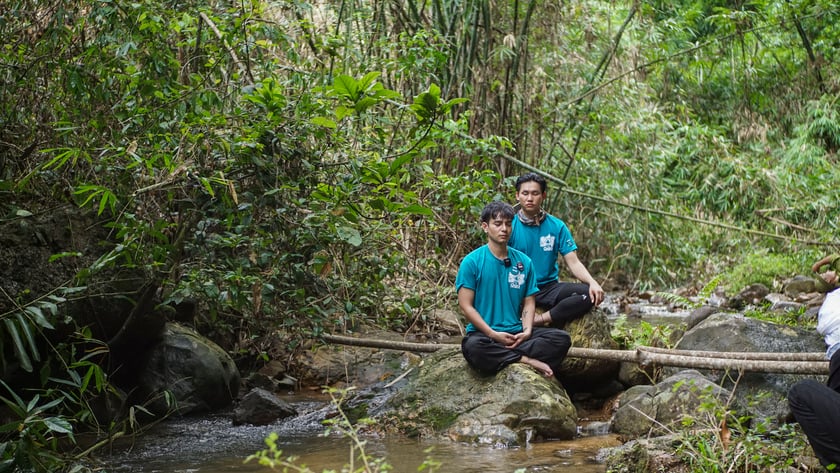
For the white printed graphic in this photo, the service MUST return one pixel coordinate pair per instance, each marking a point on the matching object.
(516, 280)
(547, 242)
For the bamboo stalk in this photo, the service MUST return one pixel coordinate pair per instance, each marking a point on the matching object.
(732, 355)
(786, 363)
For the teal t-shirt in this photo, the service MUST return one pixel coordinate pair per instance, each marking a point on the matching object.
(499, 289)
(543, 243)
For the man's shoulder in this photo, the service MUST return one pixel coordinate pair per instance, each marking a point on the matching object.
(476, 253)
(518, 255)
(555, 220)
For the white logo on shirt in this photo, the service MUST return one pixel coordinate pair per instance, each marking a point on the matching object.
(547, 242)
(516, 280)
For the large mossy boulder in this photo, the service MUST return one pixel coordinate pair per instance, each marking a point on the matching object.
(446, 398)
(186, 373)
(588, 374)
(766, 393)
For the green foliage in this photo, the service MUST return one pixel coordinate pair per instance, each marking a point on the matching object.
(644, 334)
(298, 170)
(721, 441)
(703, 295)
(764, 268)
(24, 325)
(792, 318)
(30, 441)
(40, 433)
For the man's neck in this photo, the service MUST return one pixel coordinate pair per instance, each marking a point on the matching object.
(532, 215)
(498, 250)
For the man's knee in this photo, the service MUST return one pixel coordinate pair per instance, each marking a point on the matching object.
(802, 393)
(559, 337)
(472, 342)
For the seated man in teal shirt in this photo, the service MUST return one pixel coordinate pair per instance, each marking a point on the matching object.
(544, 238)
(496, 286)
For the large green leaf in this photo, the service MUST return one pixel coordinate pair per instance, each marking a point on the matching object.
(18, 345)
(29, 336)
(349, 235)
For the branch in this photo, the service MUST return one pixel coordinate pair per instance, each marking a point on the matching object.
(230, 50)
(789, 363)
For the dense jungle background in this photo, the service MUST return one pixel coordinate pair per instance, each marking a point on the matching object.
(286, 168)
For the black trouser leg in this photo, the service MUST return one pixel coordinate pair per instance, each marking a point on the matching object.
(834, 372)
(547, 344)
(817, 409)
(488, 356)
(565, 301)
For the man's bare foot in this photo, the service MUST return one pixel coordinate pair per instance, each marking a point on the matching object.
(538, 365)
(542, 320)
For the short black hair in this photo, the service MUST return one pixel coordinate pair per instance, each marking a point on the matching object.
(497, 209)
(531, 176)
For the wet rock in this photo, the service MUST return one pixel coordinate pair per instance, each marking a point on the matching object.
(198, 375)
(726, 332)
(661, 408)
(262, 381)
(590, 331)
(261, 407)
(448, 399)
(645, 455)
(797, 285)
(750, 295)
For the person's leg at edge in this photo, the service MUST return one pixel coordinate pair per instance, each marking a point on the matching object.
(834, 372)
(817, 409)
(565, 302)
(486, 355)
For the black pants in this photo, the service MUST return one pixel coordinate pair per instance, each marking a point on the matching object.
(816, 407)
(488, 356)
(565, 301)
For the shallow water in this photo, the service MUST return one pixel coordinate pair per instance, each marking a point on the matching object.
(214, 445)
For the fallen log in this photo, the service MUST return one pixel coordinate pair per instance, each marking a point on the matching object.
(785, 363)
(738, 355)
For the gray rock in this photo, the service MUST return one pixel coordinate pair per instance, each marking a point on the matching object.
(632, 374)
(766, 393)
(260, 380)
(645, 455)
(448, 399)
(192, 372)
(700, 314)
(590, 331)
(663, 407)
(750, 295)
(797, 285)
(261, 407)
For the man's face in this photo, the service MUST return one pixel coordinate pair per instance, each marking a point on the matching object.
(829, 277)
(530, 197)
(498, 229)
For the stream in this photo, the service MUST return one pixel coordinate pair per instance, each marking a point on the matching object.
(212, 444)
